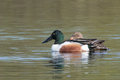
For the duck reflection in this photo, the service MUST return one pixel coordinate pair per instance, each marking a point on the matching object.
(59, 60)
(97, 54)
(63, 62)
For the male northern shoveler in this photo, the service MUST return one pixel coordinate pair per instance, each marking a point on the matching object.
(67, 46)
(95, 44)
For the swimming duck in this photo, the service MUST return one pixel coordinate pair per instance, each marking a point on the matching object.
(68, 46)
(76, 35)
(95, 44)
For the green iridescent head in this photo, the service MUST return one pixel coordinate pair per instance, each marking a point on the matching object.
(57, 35)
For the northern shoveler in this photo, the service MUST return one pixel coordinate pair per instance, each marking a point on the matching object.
(76, 35)
(67, 46)
(95, 44)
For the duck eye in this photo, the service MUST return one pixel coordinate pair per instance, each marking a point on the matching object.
(53, 33)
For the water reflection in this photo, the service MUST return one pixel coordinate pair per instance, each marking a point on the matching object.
(59, 60)
(64, 63)
(97, 54)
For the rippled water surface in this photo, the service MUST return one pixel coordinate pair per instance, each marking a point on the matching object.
(24, 24)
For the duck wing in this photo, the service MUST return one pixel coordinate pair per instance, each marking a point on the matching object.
(84, 41)
(94, 44)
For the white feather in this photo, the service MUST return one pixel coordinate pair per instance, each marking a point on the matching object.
(56, 47)
(85, 47)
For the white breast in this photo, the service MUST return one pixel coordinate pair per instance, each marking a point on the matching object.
(56, 47)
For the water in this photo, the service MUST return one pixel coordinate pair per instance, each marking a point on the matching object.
(25, 24)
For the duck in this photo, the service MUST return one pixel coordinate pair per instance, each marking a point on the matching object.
(95, 43)
(76, 35)
(66, 46)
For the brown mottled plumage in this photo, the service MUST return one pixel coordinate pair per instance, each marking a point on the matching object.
(76, 35)
(94, 44)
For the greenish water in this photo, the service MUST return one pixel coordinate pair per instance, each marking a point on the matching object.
(24, 24)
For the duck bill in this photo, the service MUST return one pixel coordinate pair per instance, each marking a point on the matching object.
(48, 39)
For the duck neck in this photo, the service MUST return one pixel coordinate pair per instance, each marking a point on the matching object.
(58, 42)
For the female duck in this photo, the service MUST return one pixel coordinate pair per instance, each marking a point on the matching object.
(95, 43)
(65, 46)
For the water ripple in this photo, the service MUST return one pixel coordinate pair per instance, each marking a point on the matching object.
(13, 58)
(14, 38)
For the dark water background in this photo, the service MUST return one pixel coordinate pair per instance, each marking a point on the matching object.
(24, 24)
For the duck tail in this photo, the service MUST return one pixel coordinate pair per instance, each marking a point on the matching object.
(97, 41)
